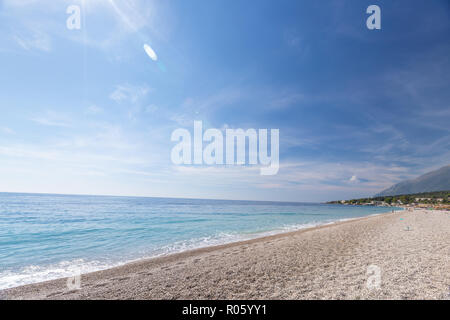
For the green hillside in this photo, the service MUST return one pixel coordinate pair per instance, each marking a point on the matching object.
(437, 197)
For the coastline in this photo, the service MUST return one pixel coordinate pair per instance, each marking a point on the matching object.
(69, 268)
(311, 253)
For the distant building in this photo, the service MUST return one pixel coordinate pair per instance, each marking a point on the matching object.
(423, 199)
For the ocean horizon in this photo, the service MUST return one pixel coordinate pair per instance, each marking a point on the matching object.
(50, 236)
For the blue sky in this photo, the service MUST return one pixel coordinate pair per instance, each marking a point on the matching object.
(88, 112)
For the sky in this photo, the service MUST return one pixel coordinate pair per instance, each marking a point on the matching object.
(90, 111)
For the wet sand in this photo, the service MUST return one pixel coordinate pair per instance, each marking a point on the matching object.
(410, 249)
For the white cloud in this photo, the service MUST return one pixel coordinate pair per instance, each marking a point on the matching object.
(34, 24)
(6, 130)
(94, 110)
(287, 100)
(129, 93)
(132, 98)
(129, 13)
(18, 3)
(53, 119)
(37, 40)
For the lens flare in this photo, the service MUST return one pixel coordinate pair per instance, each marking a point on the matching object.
(150, 52)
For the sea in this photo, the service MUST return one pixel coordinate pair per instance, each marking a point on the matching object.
(46, 236)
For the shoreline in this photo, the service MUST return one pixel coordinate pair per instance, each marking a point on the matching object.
(104, 284)
(254, 236)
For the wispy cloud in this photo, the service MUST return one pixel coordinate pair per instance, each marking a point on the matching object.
(348, 127)
(34, 24)
(94, 110)
(6, 130)
(129, 93)
(287, 99)
(129, 14)
(53, 119)
(36, 40)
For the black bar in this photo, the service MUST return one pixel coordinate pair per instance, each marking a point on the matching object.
(223, 309)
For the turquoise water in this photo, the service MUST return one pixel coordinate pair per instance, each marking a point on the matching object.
(46, 237)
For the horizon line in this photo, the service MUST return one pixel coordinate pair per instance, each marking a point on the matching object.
(155, 197)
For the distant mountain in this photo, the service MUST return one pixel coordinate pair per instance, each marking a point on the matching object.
(438, 180)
